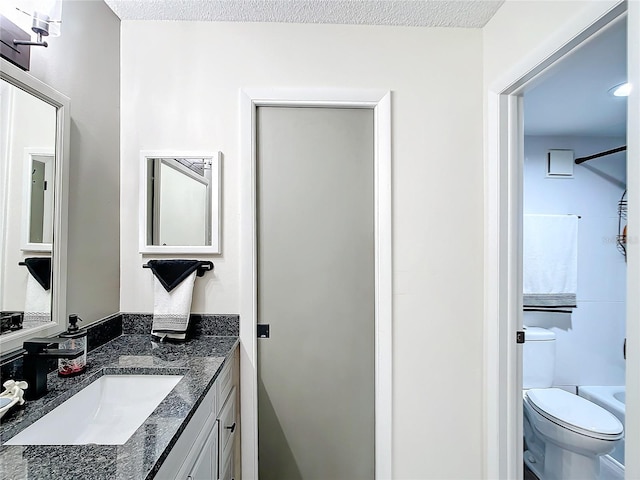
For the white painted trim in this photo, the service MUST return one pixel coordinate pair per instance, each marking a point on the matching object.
(384, 291)
(32, 85)
(380, 102)
(503, 256)
(216, 192)
(6, 132)
(632, 414)
(503, 307)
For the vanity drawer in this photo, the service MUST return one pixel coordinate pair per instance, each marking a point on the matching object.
(228, 427)
(226, 469)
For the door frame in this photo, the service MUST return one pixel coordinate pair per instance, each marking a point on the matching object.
(380, 102)
(503, 238)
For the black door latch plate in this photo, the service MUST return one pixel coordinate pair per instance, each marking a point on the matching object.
(263, 330)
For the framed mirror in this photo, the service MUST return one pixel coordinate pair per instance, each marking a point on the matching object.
(179, 202)
(33, 205)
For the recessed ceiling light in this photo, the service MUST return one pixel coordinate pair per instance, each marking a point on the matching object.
(621, 90)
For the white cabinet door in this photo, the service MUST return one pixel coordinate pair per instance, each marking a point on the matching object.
(206, 465)
(226, 469)
(206, 450)
(180, 461)
(228, 428)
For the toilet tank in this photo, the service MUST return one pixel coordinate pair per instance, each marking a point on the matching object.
(538, 357)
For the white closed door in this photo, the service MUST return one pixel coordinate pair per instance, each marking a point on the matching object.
(315, 205)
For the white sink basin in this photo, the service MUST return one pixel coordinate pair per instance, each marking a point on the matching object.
(106, 412)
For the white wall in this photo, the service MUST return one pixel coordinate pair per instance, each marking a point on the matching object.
(589, 341)
(525, 27)
(180, 90)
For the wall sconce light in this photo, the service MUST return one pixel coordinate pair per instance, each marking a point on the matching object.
(40, 27)
(20, 17)
(42, 17)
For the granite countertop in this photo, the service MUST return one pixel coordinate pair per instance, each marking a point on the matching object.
(200, 360)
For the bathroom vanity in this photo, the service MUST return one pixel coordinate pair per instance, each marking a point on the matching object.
(208, 448)
(191, 429)
(193, 432)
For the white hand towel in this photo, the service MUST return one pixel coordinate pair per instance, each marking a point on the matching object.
(550, 257)
(171, 310)
(37, 304)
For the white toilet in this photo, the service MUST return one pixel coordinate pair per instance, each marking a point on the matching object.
(565, 434)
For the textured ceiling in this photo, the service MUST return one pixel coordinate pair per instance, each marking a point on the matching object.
(427, 13)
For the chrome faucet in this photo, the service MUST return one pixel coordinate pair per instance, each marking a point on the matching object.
(37, 352)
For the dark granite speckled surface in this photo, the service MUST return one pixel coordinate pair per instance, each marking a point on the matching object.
(106, 329)
(199, 324)
(199, 360)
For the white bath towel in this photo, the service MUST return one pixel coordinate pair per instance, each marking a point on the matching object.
(550, 260)
(37, 304)
(171, 310)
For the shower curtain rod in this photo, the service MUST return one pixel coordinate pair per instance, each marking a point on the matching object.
(601, 154)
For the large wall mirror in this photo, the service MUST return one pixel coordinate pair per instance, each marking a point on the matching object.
(33, 175)
(179, 204)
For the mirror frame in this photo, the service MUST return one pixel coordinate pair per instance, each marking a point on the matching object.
(214, 220)
(21, 79)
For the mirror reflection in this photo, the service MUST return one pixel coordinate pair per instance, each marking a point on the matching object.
(39, 204)
(180, 204)
(180, 201)
(27, 170)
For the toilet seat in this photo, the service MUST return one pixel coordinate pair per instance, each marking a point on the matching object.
(574, 413)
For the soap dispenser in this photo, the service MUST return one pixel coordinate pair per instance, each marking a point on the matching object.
(76, 338)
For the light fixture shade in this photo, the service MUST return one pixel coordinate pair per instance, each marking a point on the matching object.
(621, 90)
(23, 12)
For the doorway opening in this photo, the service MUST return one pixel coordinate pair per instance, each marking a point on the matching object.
(574, 183)
(504, 252)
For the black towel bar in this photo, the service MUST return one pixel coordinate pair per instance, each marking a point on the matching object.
(205, 266)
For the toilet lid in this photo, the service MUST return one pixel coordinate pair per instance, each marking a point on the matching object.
(575, 413)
